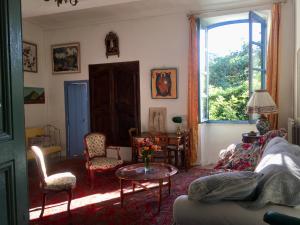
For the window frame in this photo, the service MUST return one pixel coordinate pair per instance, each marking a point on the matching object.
(252, 17)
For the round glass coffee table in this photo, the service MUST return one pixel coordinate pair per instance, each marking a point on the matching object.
(137, 175)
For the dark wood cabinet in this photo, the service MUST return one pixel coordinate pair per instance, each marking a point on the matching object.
(115, 100)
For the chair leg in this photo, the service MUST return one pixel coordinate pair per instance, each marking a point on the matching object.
(183, 160)
(92, 175)
(43, 204)
(69, 200)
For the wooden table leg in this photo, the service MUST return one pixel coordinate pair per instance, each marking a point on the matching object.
(121, 192)
(176, 157)
(169, 185)
(159, 194)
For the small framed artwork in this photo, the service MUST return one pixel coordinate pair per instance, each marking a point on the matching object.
(164, 83)
(34, 95)
(65, 58)
(30, 63)
(157, 119)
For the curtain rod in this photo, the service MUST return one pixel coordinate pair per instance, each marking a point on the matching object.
(234, 8)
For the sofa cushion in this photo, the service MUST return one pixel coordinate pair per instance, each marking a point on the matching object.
(237, 185)
(280, 183)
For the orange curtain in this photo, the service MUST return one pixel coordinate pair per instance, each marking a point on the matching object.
(272, 61)
(193, 98)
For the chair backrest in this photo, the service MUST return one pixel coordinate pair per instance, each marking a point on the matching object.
(162, 140)
(132, 132)
(40, 161)
(95, 144)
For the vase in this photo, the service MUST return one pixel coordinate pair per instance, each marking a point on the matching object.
(146, 164)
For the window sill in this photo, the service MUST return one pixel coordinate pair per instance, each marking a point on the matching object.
(229, 122)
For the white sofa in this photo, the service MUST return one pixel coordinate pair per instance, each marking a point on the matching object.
(189, 212)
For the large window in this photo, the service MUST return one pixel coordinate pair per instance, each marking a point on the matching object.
(232, 66)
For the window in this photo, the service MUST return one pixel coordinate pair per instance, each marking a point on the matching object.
(232, 66)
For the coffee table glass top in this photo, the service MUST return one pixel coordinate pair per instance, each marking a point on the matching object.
(136, 172)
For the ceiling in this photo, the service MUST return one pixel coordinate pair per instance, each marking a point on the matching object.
(47, 15)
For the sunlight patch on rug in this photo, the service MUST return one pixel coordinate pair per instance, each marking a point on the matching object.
(52, 209)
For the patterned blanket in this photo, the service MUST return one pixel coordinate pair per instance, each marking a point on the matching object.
(246, 156)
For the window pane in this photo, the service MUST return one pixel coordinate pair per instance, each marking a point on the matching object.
(256, 84)
(204, 111)
(228, 71)
(256, 56)
(256, 32)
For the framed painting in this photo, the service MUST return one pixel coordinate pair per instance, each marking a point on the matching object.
(30, 63)
(66, 58)
(34, 95)
(164, 83)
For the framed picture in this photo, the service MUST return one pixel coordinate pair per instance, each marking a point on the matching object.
(65, 58)
(157, 119)
(164, 83)
(34, 95)
(30, 63)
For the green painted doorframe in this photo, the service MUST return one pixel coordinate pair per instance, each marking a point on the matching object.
(13, 164)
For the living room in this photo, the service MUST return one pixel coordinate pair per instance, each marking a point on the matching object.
(156, 34)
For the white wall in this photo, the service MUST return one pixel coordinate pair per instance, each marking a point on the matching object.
(215, 137)
(286, 63)
(36, 114)
(297, 60)
(156, 42)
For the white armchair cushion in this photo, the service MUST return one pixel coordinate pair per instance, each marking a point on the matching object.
(60, 181)
(103, 163)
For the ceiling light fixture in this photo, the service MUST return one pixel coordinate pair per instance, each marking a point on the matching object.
(59, 2)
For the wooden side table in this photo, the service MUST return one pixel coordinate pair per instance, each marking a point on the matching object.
(250, 138)
(136, 174)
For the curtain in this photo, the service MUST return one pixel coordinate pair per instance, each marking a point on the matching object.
(272, 61)
(193, 98)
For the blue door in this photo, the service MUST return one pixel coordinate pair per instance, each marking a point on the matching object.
(77, 115)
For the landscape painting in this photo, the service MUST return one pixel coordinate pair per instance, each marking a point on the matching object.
(66, 58)
(34, 95)
(164, 83)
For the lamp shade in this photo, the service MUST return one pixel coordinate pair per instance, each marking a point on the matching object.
(261, 102)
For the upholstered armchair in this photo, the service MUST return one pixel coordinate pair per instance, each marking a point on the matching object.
(96, 155)
(58, 182)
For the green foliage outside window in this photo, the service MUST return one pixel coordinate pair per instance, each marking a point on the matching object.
(228, 85)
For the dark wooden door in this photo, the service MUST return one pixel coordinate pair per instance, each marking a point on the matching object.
(115, 100)
(13, 169)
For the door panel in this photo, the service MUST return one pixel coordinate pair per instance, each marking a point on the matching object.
(101, 97)
(115, 100)
(13, 163)
(77, 115)
(125, 100)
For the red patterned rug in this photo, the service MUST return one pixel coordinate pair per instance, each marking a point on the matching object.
(102, 204)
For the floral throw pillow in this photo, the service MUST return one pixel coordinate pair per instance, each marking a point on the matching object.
(245, 156)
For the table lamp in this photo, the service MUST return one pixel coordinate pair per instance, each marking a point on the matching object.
(261, 103)
(177, 120)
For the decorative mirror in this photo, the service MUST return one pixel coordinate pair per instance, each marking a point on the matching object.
(112, 44)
